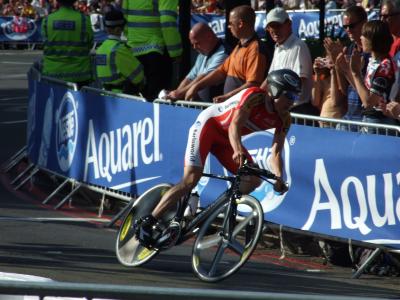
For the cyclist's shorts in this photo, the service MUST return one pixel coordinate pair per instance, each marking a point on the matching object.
(206, 137)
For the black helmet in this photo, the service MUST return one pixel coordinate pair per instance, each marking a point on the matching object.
(114, 18)
(283, 81)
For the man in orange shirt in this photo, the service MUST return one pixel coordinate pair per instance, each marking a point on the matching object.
(247, 64)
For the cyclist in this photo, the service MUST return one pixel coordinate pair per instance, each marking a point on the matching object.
(218, 129)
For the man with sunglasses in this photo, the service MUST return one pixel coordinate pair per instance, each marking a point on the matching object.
(291, 53)
(354, 18)
(390, 13)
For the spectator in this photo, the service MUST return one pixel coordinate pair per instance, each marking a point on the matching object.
(245, 66)
(391, 109)
(68, 38)
(291, 53)
(116, 67)
(325, 94)
(82, 6)
(353, 19)
(390, 13)
(377, 83)
(153, 34)
(211, 55)
(39, 7)
(27, 10)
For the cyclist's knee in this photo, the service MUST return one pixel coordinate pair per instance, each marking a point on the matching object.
(191, 177)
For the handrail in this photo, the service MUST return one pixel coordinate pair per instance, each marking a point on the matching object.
(112, 291)
(296, 116)
(110, 93)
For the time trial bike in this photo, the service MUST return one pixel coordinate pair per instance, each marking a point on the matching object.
(224, 239)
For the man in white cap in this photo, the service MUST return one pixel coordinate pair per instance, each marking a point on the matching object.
(291, 53)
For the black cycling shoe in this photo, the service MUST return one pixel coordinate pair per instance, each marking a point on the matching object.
(148, 230)
(169, 236)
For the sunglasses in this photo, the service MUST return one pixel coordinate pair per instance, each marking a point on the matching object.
(352, 25)
(384, 17)
(291, 96)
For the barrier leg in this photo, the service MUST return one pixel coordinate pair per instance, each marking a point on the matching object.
(369, 260)
(34, 171)
(55, 191)
(13, 160)
(68, 196)
(28, 168)
(101, 207)
(120, 214)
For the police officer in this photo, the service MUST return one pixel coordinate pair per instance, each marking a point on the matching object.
(153, 34)
(68, 38)
(117, 68)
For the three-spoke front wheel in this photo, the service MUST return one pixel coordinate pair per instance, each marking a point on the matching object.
(217, 254)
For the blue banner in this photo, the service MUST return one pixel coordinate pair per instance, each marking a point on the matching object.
(15, 29)
(19, 29)
(341, 183)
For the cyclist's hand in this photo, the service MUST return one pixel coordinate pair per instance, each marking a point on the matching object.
(280, 186)
(239, 158)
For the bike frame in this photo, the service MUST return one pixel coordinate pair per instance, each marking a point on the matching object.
(228, 196)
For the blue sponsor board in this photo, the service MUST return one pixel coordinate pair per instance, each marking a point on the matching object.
(19, 29)
(341, 183)
(13, 29)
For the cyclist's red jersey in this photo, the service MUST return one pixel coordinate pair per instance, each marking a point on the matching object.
(209, 133)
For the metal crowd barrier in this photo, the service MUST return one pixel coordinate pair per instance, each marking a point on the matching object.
(310, 120)
(111, 291)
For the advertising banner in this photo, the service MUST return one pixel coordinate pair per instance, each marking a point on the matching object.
(19, 29)
(342, 184)
(305, 25)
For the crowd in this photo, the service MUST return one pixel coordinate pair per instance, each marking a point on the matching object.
(39, 8)
(357, 81)
(36, 9)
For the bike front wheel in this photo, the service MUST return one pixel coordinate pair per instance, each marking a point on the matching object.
(129, 251)
(217, 255)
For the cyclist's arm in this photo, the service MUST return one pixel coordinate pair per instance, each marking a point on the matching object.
(276, 152)
(239, 119)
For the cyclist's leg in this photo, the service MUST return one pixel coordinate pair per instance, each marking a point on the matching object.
(196, 152)
(191, 177)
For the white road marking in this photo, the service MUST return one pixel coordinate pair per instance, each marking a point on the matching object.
(52, 219)
(13, 98)
(15, 63)
(13, 76)
(13, 122)
(23, 277)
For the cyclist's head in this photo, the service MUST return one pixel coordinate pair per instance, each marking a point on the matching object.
(284, 83)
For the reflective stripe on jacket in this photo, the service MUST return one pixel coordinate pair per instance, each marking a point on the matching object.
(152, 26)
(68, 38)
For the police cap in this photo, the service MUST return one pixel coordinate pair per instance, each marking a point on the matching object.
(114, 18)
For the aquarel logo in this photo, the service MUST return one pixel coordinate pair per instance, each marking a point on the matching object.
(66, 131)
(259, 146)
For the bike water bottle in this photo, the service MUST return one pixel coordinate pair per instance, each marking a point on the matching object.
(193, 204)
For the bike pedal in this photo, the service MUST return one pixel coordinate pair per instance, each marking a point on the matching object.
(169, 236)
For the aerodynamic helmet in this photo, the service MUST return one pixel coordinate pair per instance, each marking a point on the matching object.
(284, 81)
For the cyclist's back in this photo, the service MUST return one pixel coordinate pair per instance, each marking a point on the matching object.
(209, 133)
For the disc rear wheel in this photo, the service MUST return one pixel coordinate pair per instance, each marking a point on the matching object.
(128, 249)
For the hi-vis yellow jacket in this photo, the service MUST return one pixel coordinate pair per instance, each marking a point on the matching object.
(152, 26)
(68, 38)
